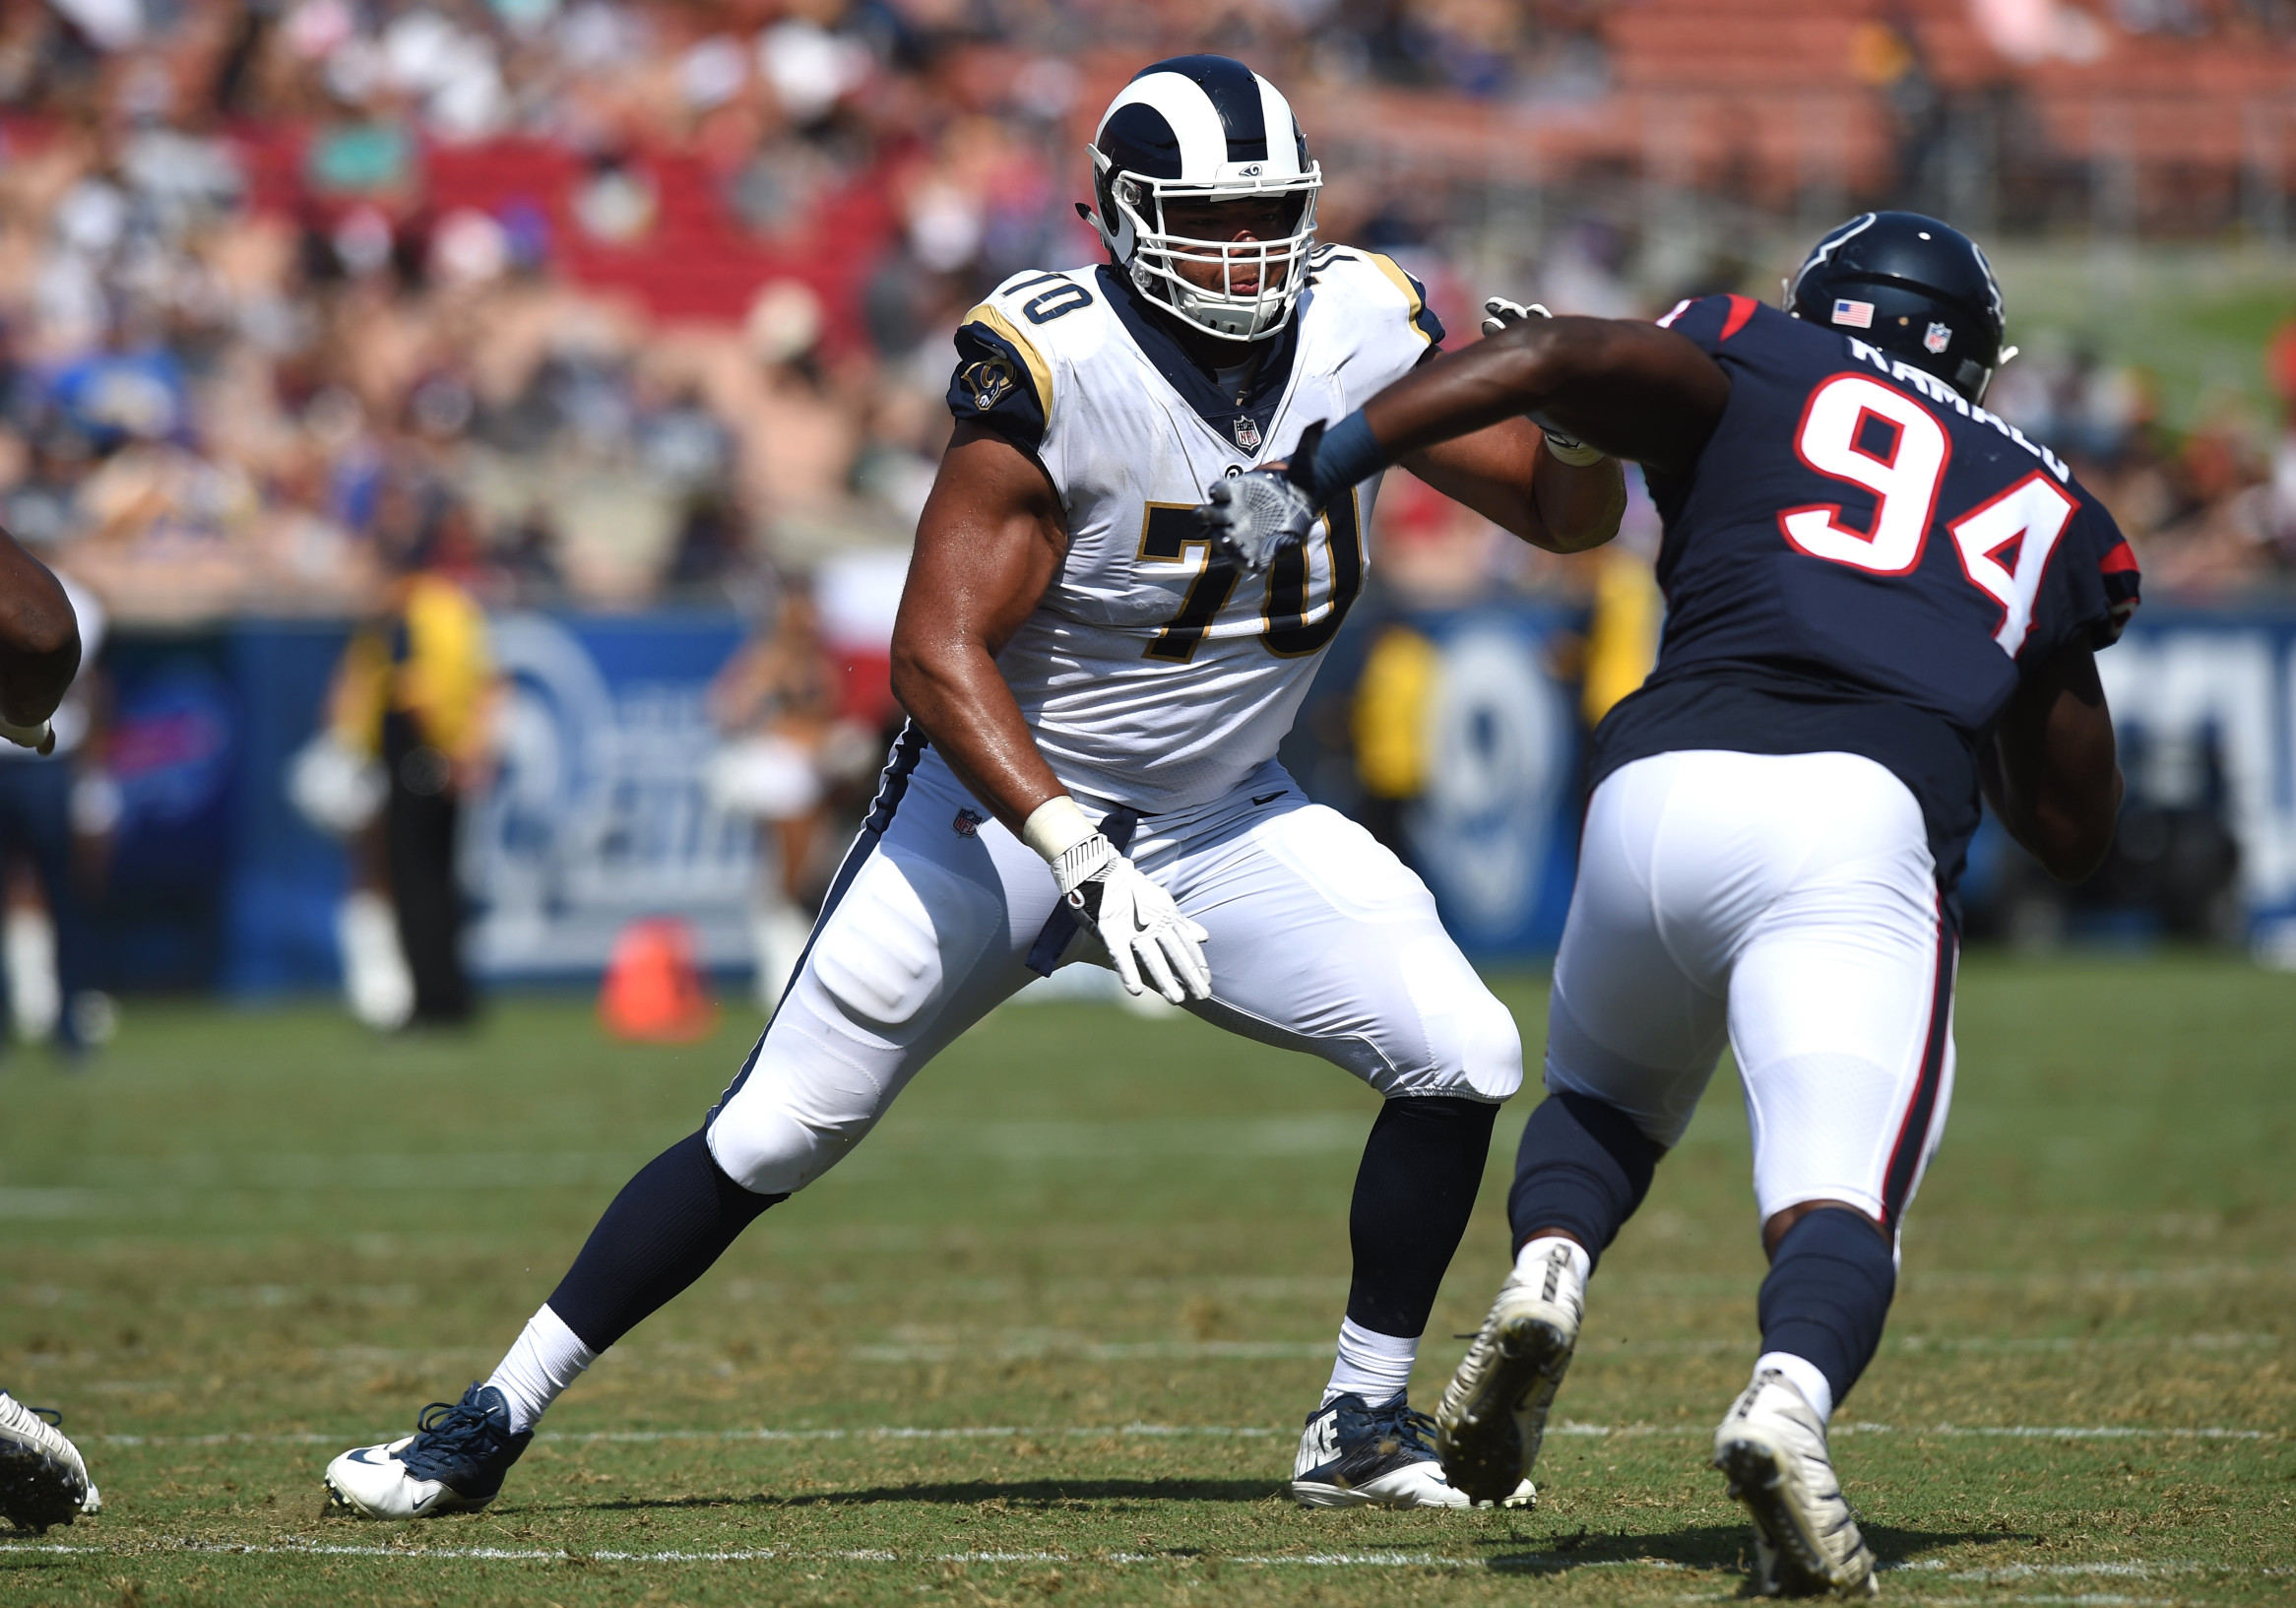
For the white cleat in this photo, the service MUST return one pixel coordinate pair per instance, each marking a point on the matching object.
(43, 1479)
(1492, 1417)
(1356, 1456)
(1805, 1539)
(454, 1462)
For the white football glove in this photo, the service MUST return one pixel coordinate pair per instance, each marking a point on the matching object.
(1253, 517)
(1498, 314)
(1137, 920)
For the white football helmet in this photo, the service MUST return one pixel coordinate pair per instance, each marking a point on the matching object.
(1205, 128)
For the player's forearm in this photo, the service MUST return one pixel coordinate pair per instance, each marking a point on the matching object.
(1630, 390)
(2065, 823)
(1579, 505)
(952, 689)
(40, 639)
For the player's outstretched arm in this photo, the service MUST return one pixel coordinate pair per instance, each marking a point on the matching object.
(40, 646)
(990, 541)
(1632, 389)
(2049, 769)
(1627, 389)
(1504, 475)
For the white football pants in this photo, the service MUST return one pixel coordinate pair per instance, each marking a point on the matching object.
(1789, 901)
(1321, 940)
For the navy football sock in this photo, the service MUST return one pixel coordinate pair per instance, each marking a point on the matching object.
(1828, 1290)
(1414, 1191)
(661, 1234)
(1583, 1167)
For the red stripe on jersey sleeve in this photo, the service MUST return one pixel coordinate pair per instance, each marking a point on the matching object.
(1740, 310)
(2122, 560)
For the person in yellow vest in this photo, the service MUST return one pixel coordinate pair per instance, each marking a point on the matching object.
(417, 689)
(1621, 635)
(1391, 721)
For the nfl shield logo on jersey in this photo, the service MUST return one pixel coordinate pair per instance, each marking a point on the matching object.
(967, 823)
(1938, 339)
(1247, 431)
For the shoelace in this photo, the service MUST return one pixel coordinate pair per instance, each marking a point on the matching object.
(1408, 1427)
(446, 1432)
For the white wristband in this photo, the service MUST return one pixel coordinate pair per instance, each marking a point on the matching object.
(1577, 453)
(1057, 826)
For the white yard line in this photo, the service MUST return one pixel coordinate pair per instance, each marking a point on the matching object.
(1095, 1432)
(1502, 1564)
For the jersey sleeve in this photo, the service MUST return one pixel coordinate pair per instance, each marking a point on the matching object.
(2106, 552)
(2089, 590)
(1710, 321)
(1422, 319)
(1001, 381)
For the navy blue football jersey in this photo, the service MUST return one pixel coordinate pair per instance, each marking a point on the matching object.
(1861, 562)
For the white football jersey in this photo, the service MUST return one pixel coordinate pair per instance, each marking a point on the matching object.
(1151, 676)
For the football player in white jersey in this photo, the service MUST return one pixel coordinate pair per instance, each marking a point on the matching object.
(1090, 771)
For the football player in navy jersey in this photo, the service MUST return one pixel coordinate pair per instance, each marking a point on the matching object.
(1882, 602)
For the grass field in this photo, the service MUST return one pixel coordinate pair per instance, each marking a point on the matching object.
(1049, 1335)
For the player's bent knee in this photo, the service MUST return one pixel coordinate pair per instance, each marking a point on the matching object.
(1474, 1048)
(787, 1125)
(1492, 1065)
(773, 1152)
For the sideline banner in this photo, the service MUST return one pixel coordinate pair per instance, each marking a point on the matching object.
(600, 814)
(2204, 706)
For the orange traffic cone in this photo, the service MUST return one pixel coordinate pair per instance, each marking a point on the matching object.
(653, 991)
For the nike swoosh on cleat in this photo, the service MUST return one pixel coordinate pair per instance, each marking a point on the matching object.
(360, 1457)
(1263, 797)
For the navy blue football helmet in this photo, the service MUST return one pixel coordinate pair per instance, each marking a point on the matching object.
(1915, 288)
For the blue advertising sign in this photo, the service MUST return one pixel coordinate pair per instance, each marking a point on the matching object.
(1496, 833)
(598, 814)
(2206, 701)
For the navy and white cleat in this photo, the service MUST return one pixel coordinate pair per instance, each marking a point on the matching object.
(453, 1463)
(43, 1479)
(1352, 1455)
(1805, 1539)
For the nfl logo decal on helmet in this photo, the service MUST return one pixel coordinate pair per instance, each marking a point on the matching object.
(1938, 339)
(1206, 129)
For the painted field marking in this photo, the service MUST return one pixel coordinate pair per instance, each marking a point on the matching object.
(1037, 1345)
(1094, 1432)
(1505, 1563)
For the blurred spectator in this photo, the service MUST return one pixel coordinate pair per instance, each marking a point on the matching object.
(776, 705)
(282, 285)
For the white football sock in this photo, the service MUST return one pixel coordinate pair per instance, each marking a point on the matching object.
(1374, 1365)
(1532, 1258)
(547, 1358)
(1806, 1375)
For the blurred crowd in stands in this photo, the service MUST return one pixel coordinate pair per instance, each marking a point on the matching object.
(599, 300)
